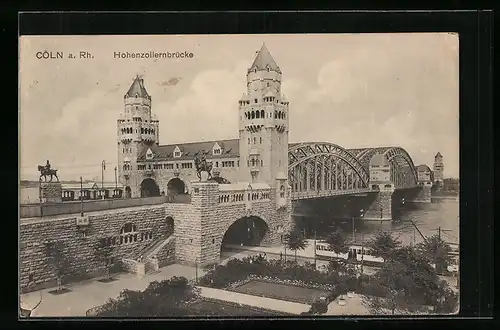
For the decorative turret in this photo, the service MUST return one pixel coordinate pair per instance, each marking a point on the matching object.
(438, 168)
(137, 128)
(263, 123)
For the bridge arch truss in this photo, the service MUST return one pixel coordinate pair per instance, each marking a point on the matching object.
(403, 171)
(320, 166)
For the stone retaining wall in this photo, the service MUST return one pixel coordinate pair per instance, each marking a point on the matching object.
(78, 250)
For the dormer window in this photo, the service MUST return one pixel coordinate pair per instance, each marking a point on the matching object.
(177, 152)
(216, 151)
(149, 154)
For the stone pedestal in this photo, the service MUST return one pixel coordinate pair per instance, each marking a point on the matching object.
(425, 193)
(51, 192)
(381, 208)
(196, 239)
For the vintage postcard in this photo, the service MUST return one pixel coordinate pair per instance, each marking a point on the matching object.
(239, 175)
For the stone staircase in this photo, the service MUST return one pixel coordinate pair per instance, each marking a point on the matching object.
(148, 264)
(151, 260)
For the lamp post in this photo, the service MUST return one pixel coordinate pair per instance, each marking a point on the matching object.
(40, 196)
(81, 196)
(362, 243)
(116, 183)
(103, 167)
(196, 270)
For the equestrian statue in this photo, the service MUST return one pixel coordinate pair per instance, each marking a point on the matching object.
(203, 166)
(45, 171)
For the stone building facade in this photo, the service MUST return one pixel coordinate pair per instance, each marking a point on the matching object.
(259, 154)
(251, 186)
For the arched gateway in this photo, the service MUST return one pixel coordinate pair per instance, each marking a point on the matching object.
(149, 188)
(247, 231)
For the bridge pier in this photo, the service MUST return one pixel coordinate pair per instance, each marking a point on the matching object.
(424, 194)
(379, 213)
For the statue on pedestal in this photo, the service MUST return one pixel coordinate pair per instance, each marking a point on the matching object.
(46, 170)
(203, 166)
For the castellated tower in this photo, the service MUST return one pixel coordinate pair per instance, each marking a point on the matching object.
(137, 129)
(438, 168)
(263, 128)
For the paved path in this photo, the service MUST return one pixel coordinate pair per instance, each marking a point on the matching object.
(354, 306)
(250, 300)
(88, 294)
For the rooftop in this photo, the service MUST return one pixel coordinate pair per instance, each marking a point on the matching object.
(264, 60)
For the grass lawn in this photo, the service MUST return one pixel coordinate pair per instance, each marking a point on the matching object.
(228, 309)
(281, 291)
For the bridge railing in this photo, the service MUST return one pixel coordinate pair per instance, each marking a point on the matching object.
(50, 209)
(243, 196)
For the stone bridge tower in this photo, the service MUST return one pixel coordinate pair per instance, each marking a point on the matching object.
(438, 169)
(263, 127)
(137, 128)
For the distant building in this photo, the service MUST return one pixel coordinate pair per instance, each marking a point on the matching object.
(438, 169)
(424, 173)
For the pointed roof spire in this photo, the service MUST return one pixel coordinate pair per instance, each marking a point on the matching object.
(264, 60)
(137, 88)
(438, 155)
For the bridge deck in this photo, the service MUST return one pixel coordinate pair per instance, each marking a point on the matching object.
(308, 194)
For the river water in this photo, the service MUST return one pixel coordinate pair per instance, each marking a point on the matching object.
(428, 218)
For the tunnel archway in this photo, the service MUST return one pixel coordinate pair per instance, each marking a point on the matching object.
(149, 188)
(176, 186)
(248, 231)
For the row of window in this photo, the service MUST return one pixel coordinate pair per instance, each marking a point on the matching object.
(255, 162)
(141, 167)
(254, 140)
(129, 130)
(129, 238)
(127, 150)
(366, 252)
(228, 163)
(256, 114)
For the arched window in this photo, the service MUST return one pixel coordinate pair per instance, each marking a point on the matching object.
(246, 116)
(253, 114)
(261, 140)
(275, 114)
(282, 191)
(254, 140)
(128, 228)
(257, 114)
(262, 113)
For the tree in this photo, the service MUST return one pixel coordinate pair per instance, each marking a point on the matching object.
(407, 282)
(295, 241)
(169, 297)
(57, 260)
(437, 251)
(337, 242)
(103, 251)
(383, 245)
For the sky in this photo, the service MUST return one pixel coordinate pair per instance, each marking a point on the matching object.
(353, 90)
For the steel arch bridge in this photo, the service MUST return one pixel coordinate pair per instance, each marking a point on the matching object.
(321, 169)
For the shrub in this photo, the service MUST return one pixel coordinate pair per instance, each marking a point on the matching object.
(320, 306)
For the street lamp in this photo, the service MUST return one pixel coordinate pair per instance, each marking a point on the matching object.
(103, 167)
(362, 242)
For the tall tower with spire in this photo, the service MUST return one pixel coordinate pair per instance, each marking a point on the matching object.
(137, 128)
(263, 128)
(438, 168)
